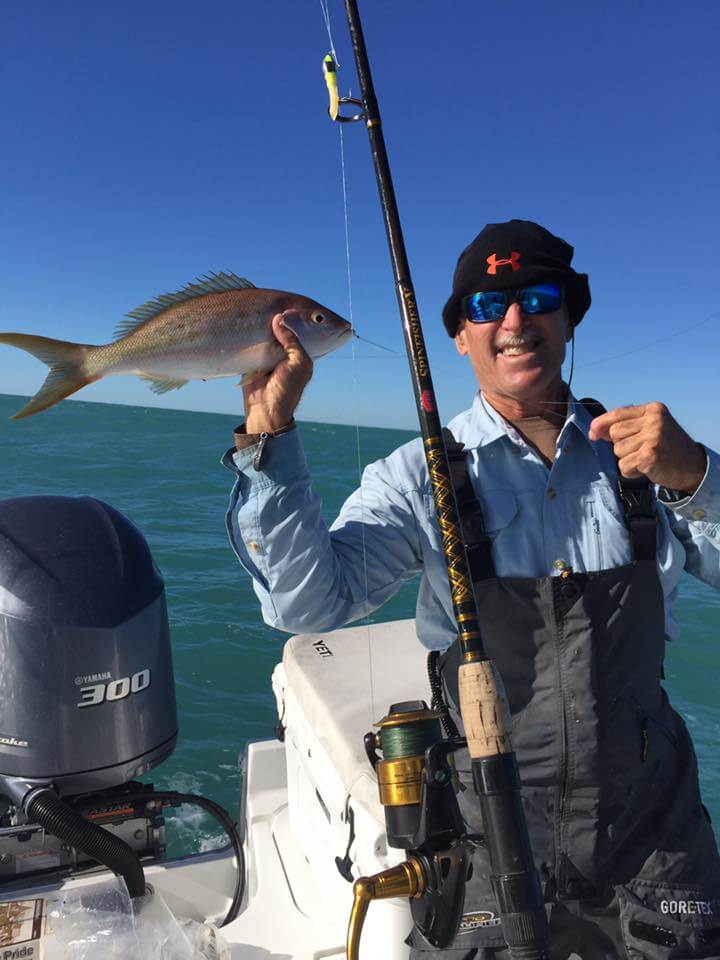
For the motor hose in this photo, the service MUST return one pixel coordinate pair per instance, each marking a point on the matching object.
(49, 811)
(174, 799)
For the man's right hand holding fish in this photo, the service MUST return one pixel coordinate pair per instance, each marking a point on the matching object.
(271, 400)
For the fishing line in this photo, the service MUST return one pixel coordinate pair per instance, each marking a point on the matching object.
(653, 343)
(572, 360)
(326, 18)
(372, 342)
(356, 391)
(366, 356)
(625, 353)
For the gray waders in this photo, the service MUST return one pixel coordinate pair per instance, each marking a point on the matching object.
(623, 845)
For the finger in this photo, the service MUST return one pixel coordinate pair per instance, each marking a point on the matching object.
(600, 426)
(255, 388)
(289, 340)
(284, 335)
(623, 448)
(626, 428)
(628, 467)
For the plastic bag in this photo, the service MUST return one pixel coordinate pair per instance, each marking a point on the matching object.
(100, 921)
(159, 933)
(206, 939)
(93, 922)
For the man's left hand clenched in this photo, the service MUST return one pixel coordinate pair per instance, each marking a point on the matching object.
(648, 441)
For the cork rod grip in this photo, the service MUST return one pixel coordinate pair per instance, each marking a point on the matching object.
(484, 709)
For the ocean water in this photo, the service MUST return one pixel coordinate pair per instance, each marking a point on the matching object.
(161, 468)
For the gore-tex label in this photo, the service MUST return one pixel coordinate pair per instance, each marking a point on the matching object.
(676, 908)
(20, 929)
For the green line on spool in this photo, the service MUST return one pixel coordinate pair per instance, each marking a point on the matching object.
(409, 739)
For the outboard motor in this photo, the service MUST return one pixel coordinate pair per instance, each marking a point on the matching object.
(87, 697)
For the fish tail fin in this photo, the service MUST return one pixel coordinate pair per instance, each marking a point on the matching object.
(67, 374)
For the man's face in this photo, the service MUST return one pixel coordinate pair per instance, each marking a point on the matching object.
(519, 356)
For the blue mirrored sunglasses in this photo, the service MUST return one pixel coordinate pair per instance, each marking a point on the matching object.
(485, 306)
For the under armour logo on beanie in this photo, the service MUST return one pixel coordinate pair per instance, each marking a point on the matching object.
(494, 263)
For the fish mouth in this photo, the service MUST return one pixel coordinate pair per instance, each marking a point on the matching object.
(346, 333)
(336, 341)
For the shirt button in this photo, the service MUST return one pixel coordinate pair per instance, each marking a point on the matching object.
(551, 493)
(253, 546)
(698, 514)
(566, 449)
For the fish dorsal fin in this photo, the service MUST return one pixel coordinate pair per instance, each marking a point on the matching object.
(211, 283)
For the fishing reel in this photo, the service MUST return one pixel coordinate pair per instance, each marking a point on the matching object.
(418, 784)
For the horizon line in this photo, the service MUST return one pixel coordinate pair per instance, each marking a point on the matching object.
(211, 413)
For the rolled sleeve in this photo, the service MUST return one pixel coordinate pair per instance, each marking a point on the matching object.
(695, 521)
(704, 504)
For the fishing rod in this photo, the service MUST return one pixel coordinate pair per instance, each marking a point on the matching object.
(483, 701)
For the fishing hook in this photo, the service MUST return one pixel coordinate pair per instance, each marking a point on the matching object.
(330, 71)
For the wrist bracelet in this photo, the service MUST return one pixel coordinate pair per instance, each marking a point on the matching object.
(261, 439)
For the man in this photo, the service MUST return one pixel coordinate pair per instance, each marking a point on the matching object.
(574, 595)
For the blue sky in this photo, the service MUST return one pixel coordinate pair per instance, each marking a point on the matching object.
(146, 144)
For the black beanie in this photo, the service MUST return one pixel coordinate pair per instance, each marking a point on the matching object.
(516, 254)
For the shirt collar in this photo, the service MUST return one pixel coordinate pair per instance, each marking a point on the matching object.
(579, 419)
(487, 425)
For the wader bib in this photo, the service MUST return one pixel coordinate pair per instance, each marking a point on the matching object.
(624, 848)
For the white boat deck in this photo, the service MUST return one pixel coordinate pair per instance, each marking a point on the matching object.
(295, 905)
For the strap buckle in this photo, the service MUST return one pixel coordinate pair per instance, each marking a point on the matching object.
(637, 498)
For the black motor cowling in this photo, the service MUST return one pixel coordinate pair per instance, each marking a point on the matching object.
(88, 697)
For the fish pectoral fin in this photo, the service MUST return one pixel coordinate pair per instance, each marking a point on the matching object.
(162, 384)
(251, 376)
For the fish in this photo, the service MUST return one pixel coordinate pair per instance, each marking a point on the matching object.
(217, 326)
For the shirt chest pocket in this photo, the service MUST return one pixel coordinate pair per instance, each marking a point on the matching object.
(497, 512)
(606, 533)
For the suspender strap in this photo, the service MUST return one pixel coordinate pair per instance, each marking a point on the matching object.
(638, 502)
(477, 543)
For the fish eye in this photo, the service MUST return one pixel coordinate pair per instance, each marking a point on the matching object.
(318, 318)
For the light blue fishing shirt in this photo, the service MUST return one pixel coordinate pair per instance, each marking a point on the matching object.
(541, 520)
